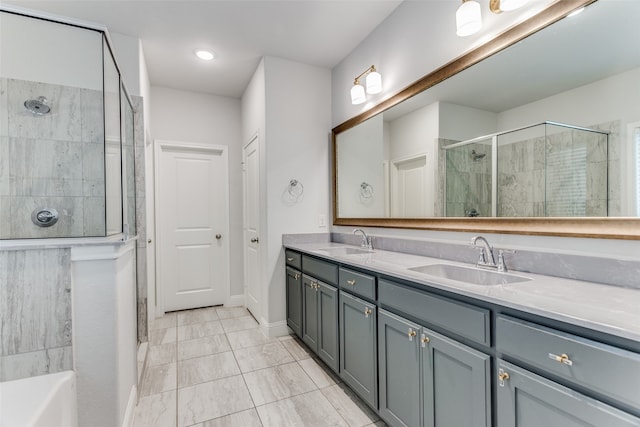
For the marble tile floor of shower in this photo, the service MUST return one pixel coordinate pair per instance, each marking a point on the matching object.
(214, 367)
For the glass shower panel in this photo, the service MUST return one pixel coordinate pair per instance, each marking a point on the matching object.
(576, 172)
(112, 144)
(128, 149)
(468, 170)
(521, 172)
(51, 129)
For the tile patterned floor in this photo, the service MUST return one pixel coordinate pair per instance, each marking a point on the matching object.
(213, 367)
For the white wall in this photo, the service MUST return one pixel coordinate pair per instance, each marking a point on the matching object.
(459, 122)
(207, 119)
(414, 133)
(298, 120)
(413, 41)
(360, 159)
(292, 120)
(417, 38)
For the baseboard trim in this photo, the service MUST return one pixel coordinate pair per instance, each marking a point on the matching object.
(131, 407)
(276, 329)
(235, 301)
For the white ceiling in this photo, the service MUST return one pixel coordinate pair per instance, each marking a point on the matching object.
(315, 32)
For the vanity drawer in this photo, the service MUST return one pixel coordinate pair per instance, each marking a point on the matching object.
(605, 369)
(293, 259)
(358, 283)
(325, 271)
(460, 318)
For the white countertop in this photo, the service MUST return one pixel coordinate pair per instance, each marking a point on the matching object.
(604, 308)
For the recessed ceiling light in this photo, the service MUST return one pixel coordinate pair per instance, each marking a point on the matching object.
(575, 12)
(205, 55)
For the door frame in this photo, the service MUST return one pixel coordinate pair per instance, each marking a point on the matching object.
(394, 165)
(259, 315)
(161, 145)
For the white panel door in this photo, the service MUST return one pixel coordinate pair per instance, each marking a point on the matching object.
(411, 192)
(251, 155)
(192, 224)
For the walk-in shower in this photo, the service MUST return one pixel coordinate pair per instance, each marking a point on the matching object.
(548, 169)
(66, 133)
(68, 250)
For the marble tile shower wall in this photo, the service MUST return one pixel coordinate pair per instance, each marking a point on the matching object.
(35, 312)
(468, 180)
(54, 160)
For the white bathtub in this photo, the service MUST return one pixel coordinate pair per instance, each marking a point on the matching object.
(42, 401)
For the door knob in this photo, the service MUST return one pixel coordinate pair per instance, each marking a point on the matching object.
(218, 236)
(255, 240)
(149, 241)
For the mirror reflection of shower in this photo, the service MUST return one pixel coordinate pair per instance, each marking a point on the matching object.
(477, 156)
(38, 106)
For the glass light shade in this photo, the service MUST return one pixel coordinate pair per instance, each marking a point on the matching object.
(357, 95)
(374, 82)
(508, 5)
(468, 18)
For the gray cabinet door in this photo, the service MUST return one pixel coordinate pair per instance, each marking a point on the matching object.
(310, 312)
(358, 347)
(399, 370)
(294, 301)
(328, 325)
(528, 400)
(455, 383)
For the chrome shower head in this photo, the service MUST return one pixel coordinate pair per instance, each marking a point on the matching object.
(477, 156)
(38, 106)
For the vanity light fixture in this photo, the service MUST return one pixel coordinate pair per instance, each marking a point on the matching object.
(469, 15)
(468, 18)
(205, 55)
(373, 82)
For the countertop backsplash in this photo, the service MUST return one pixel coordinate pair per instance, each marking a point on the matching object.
(604, 270)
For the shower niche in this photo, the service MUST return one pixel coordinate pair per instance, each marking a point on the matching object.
(67, 164)
(545, 170)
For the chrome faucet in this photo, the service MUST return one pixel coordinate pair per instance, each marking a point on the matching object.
(366, 240)
(486, 258)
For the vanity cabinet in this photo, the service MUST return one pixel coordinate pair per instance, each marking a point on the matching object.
(320, 319)
(426, 358)
(358, 347)
(602, 369)
(427, 379)
(526, 399)
(294, 301)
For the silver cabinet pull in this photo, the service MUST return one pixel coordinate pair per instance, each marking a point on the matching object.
(351, 282)
(255, 240)
(502, 377)
(563, 358)
(289, 259)
(367, 311)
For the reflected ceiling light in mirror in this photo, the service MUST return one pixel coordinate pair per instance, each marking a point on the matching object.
(468, 18)
(575, 12)
(373, 82)
(205, 55)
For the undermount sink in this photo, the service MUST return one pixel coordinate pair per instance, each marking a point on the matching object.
(474, 276)
(345, 251)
